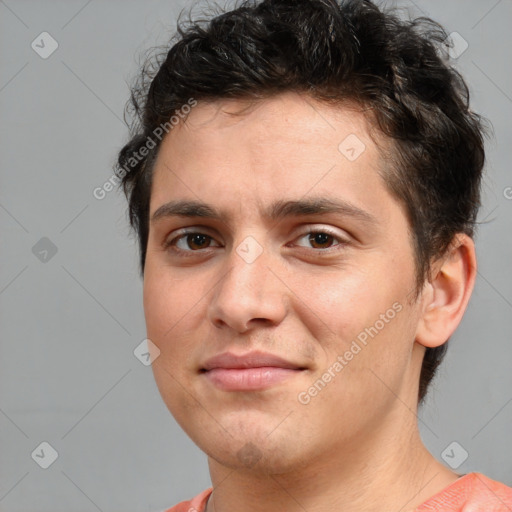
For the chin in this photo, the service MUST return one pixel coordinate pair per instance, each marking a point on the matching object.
(255, 451)
(256, 460)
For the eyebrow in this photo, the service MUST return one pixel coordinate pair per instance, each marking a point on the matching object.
(276, 211)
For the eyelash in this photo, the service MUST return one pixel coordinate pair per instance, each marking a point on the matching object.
(171, 244)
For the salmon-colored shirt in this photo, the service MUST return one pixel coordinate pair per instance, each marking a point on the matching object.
(473, 492)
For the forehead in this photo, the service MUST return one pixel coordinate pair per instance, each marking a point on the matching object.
(247, 155)
(289, 118)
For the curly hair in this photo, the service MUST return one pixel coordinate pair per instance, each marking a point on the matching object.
(397, 70)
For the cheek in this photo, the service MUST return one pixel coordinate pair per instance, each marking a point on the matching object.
(363, 318)
(168, 306)
(157, 306)
(175, 309)
(340, 304)
(168, 297)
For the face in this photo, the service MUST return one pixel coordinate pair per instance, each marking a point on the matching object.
(278, 283)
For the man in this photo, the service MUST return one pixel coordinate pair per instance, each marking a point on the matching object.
(304, 182)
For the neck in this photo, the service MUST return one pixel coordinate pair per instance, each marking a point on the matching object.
(384, 470)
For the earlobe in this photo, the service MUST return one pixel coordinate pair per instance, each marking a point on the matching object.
(446, 295)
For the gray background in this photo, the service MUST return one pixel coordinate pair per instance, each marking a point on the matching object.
(69, 325)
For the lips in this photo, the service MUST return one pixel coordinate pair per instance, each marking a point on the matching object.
(250, 360)
(250, 372)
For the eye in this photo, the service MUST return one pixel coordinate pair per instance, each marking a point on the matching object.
(321, 239)
(190, 242)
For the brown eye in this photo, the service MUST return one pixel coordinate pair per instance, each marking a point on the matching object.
(192, 241)
(198, 240)
(321, 240)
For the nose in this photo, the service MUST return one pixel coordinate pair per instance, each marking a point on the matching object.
(248, 294)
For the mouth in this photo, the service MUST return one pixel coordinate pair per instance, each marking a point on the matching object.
(250, 372)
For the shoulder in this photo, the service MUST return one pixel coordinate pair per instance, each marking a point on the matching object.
(489, 495)
(196, 504)
(473, 492)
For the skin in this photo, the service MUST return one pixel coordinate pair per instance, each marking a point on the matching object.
(355, 446)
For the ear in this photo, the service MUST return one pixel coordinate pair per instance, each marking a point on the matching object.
(446, 294)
